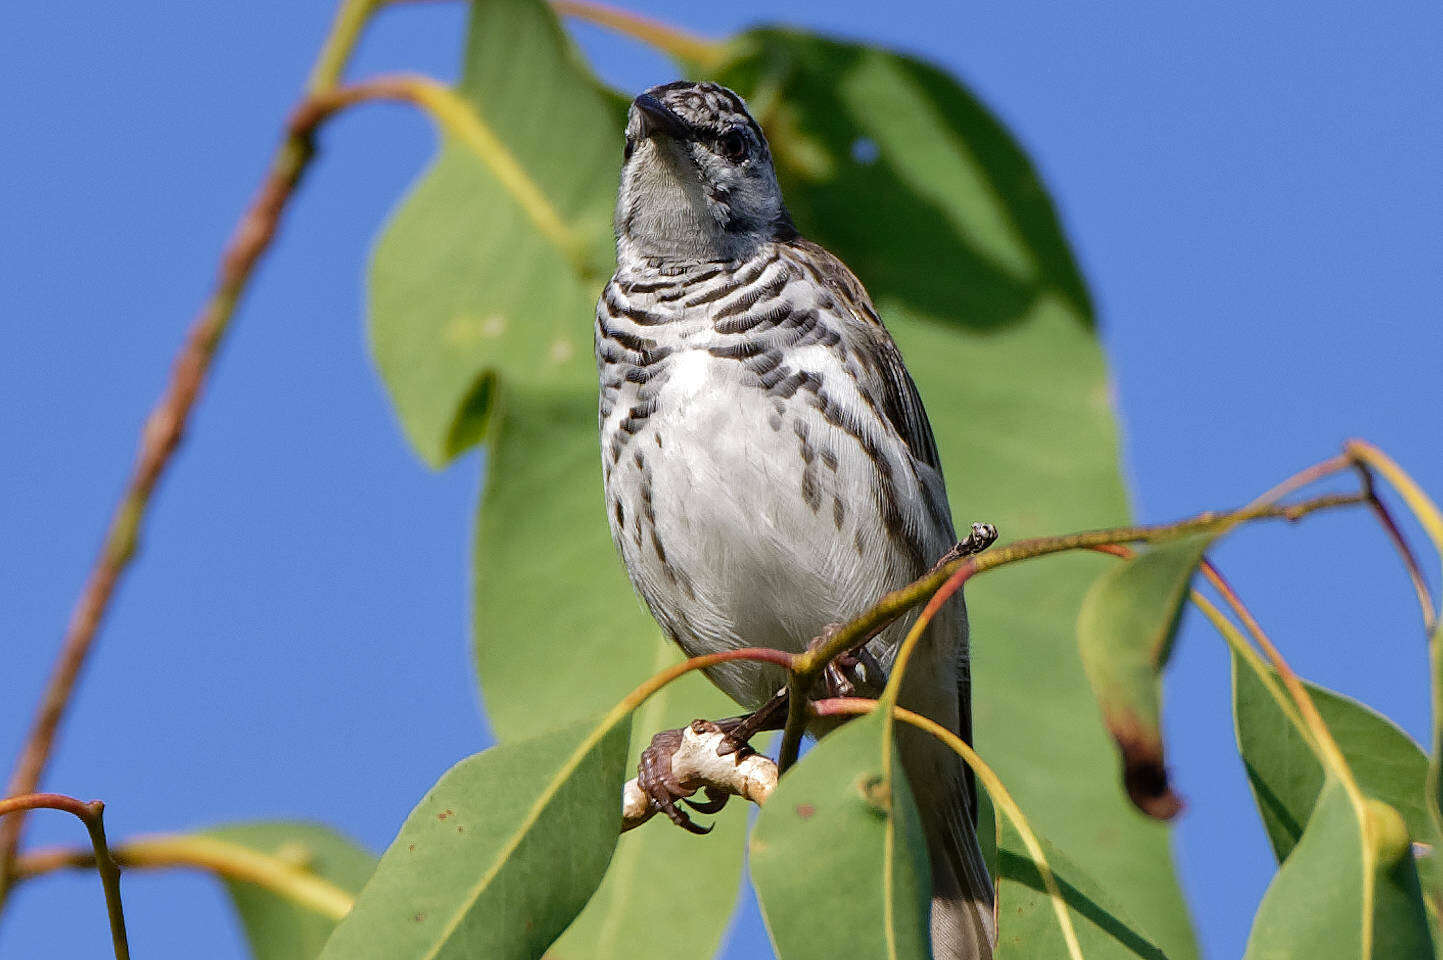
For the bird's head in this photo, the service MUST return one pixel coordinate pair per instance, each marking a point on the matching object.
(697, 182)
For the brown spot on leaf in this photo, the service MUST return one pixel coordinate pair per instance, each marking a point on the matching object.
(443, 815)
(1144, 774)
(419, 917)
(806, 811)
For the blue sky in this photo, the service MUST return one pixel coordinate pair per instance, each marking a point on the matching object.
(1253, 194)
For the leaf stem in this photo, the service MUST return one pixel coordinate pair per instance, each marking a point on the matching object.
(796, 724)
(1327, 748)
(1419, 502)
(91, 814)
(459, 120)
(706, 55)
(166, 424)
(231, 861)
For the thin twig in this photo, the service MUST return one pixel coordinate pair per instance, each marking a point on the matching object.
(285, 877)
(673, 41)
(1400, 543)
(798, 688)
(458, 119)
(167, 422)
(898, 602)
(92, 814)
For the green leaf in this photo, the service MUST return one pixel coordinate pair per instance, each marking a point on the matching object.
(499, 856)
(463, 288)
(559, 631)
(278, 928)
(620, 922)
(1287, 777)
(893, 165)
(482, 330)
(1125, 631)
(1027, 919)
(1349, 889)
(837, 855)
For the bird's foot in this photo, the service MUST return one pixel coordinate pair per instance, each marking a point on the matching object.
(982, 536)
(654, 776)
(851, 671)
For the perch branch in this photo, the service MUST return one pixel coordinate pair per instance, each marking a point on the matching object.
(91, 814)
(696, 765)
(895, 604)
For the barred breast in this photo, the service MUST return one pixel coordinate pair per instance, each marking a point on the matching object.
(752, 485)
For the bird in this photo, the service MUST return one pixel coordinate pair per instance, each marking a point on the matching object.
(768, 467)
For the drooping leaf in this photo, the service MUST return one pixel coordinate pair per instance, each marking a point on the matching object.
(279, 928)
(499, 856)
(1349, 889)
(1028, 927)
(1287, 777)
(837, 854)
(1125, 631)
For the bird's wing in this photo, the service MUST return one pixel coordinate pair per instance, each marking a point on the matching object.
(884, 378)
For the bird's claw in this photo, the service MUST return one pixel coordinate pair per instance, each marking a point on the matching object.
(654, 776)
(713, 803)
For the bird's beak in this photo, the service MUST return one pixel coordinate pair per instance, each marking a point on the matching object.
(656, 117)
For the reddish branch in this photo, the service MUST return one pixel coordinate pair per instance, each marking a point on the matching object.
(92, 814)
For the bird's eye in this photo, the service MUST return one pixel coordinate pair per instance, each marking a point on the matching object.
(626, 153)
(732, 145)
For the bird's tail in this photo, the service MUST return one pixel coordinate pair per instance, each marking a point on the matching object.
(963, 923)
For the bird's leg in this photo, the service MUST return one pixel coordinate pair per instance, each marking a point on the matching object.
(982, 536)
(842, 677)
(739, 731)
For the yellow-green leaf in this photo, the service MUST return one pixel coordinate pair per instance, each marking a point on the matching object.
(1125, 631)
(1348, 891)
(838, 857)
(499, 856)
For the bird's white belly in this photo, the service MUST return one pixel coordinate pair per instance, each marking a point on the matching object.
(753, 522)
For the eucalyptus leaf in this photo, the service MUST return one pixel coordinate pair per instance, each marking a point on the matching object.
(1287, 777)
(278, 928)
(837, 854)
(499, 856)
(558, 631)
(463, 287)
(482, 330)
(1349, 889)
(1125, 631)
(1027, 923)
